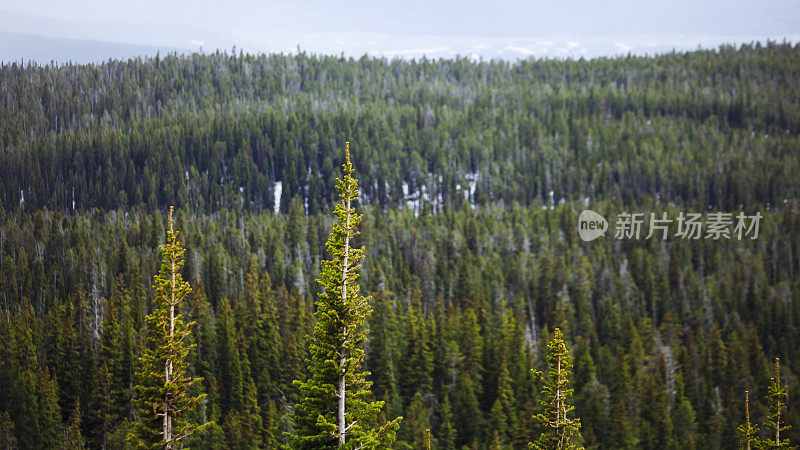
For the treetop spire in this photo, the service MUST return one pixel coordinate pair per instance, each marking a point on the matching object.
(336, 410)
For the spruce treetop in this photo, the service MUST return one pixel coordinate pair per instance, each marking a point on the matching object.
(560, 430)
(165, 394)
(336, 410)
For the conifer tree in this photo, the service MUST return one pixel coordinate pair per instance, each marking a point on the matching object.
(229, 367)
(471, 346)
(257, 319)
(413, 434)
(164, 395)
(379, 355)
(416, 360)
(776, 419)
(7, 439)
(748, 432)
(502, 408)
(100, 416)
(117, 349)
(446, 438)
(467, 413)
(560, 431)
(503, 415)
(335, 410)
(49, 414)
(73, 439)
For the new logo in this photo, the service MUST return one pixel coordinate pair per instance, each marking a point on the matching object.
(591, 225)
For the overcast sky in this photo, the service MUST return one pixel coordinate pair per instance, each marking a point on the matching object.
(96, 30)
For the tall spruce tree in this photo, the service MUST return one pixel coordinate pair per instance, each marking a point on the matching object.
(164, 395)
(748, 432)
(446, 437)
(776, 419)
(560, 431)
(379, 355)
(8, 440)
(49, 416)
(73, 439)
(336, 408)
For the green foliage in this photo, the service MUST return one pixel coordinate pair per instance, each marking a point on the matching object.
(49, 426)
(748, 432)
(7, 439)
(413, 432)
(191, 130)
(335, 410)
(467, 414)
(632, 376)
(164, 395)
(73, 439)
(560, 431)
(446, 437)
(379, 360)
(776, 419)
(468, 270)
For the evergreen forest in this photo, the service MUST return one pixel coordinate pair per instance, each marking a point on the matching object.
(245, 251)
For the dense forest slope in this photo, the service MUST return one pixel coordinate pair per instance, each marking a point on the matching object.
(206, 132)
(472, 177)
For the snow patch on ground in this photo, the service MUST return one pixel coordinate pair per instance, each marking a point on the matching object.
(277, 190)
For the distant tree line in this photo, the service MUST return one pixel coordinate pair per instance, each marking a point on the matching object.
(220, 131)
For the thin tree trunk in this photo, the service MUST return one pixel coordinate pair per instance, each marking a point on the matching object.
(342, 355)
(168, 365)
(778, 417)
(558, 405)
(747, 415)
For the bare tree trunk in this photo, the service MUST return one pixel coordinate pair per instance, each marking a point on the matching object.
(341, 425)
(747, 415)
(558, 405)
(778, 416)
(168, 365)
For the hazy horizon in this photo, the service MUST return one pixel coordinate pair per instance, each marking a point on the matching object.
(85, 31)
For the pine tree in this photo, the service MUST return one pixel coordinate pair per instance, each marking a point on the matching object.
(229, 367)
(471, 346)
(164, 394)
(467, 413)
(49, 413)
(379, 355)
(776, 419)
(256, 316)
(110, 402)
(748, 432)
(293, 333)
(685, 424)
(446, 436)
(73, 439)
(502, 407)
(494, 444)
(117, 349)
(621, 430)
(560, 431)
(335, 410)
(7, 439)
(413, 434)
(416, 361)
(24, 408)
(522, 433)
(100, 414)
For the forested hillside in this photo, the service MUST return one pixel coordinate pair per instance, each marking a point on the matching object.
(471, 175)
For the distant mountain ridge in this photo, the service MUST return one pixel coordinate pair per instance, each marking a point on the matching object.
(17, 47)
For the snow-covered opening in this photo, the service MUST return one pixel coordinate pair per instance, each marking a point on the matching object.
(277, 190)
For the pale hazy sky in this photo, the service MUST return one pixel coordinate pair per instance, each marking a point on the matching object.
(505, 29)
